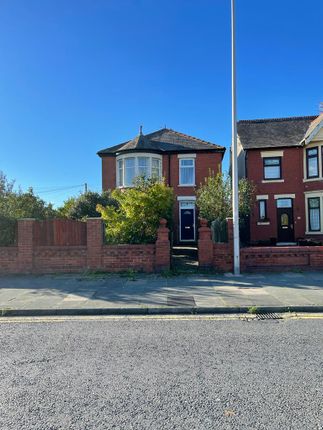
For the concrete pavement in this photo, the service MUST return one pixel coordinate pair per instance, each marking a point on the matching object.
(138, 293)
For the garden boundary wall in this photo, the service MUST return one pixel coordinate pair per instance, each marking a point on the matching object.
(88, 251)
(219, 256)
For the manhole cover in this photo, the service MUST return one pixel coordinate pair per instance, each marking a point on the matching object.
(181, 301)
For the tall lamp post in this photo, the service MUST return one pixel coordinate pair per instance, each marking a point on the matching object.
(234, 151)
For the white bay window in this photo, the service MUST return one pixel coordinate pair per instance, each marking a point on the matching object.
(131, 166)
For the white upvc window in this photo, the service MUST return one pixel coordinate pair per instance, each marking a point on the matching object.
(156, 167)
(129, 171)
(130, 166)
(314, 212)
(313, 162)
(187, 171)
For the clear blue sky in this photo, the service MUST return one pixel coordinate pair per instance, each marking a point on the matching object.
(77, 76)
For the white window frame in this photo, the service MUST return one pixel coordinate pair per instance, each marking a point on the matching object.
(136, 156)
(314, 144)
(180, 159)
(308, 195)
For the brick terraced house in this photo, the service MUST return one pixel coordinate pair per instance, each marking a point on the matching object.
(184, 161)
(284, 158)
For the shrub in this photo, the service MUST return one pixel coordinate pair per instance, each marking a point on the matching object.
(214, 197)
(140, 208)
(85, 205)
(8, 231)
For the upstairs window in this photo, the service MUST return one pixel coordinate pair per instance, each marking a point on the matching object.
(186, 171)
(156, 168)
(129, 171)
(143, 166)
(262, 205)
(312, 162)
(314, 214)
(272, 168)
(130, 167)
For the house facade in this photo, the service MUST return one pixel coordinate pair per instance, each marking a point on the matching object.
(182, 160)
(284, 159)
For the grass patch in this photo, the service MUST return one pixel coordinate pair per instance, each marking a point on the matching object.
(253, 310)
(130, 274)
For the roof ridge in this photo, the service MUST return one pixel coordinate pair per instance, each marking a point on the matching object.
(289, 118)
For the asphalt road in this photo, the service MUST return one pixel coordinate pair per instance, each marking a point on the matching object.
(161, 374)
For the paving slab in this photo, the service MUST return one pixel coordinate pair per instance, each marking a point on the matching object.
(198, 292)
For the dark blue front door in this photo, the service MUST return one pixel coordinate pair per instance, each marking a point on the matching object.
(187, 224)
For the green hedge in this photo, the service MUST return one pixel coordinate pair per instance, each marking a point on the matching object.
(219, 230)
(8, 231)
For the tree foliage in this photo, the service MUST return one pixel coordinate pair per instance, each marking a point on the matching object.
(84, 206)
(140, 208)
(19, 204)
(214, 197)
(25, 205)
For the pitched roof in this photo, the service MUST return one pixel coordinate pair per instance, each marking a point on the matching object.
(274, 132)
(164, 140)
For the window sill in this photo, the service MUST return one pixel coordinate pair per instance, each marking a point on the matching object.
(314, 232)
(270, 181)
(263, 223)
(186, 185)
(312, 179)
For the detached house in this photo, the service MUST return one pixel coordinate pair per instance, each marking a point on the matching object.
(284, 159)
(184, 161)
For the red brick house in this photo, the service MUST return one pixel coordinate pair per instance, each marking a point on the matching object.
(184, 161)
(284, 158)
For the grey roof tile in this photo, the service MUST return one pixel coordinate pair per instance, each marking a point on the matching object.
(274, 132)
(164, 140)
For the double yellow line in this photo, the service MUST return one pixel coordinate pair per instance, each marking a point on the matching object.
(226, 317)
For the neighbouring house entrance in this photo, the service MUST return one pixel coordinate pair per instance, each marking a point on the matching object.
(187, 221)
(285, 220)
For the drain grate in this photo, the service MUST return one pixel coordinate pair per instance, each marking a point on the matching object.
(181, 300)
(268, 316)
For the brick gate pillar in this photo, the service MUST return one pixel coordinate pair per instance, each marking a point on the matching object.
(162, 254)
(94, 240)
(25, 244)
(205, 245)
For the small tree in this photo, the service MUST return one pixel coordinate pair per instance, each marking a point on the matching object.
(139, 211)
(214, 197)
(26, 205)
(18, 204)
(85, 205)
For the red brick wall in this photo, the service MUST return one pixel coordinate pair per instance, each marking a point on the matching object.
(108, 173)
(116, 258)
(258, 258)
(52, 259)
(28, 258)
(9, 259)
(281, 258)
